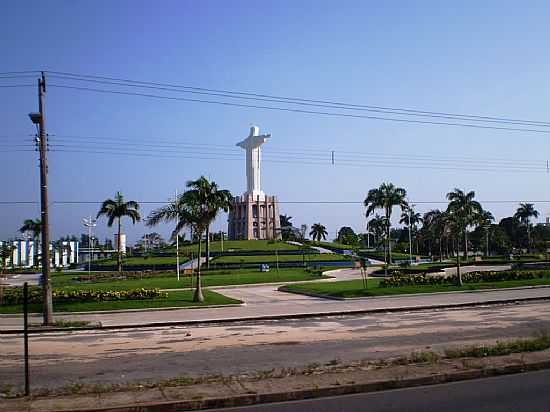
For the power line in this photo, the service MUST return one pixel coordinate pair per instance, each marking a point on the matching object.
(328, 202)
(372, 163)
(296, 99)
(294, 110)
(18, 85)
(112, 140)
(302, 102)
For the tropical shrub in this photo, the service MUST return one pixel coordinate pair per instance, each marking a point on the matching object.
(397, 279)
(14, 296)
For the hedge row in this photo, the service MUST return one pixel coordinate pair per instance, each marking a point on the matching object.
(110, 276)
(398, 279)
(14, 296)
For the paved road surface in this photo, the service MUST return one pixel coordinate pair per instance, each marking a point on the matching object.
(527, 392)
(157, 353)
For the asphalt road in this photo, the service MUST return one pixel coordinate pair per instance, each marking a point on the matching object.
(118, 356)
(527, 392)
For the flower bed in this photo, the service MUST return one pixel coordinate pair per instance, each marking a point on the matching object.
(398, 279)
(14, 296)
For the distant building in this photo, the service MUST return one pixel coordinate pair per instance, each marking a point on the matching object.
(254, 215)
(63, 254)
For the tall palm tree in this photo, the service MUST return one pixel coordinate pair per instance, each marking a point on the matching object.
(464, 211)
(116, 209)
(318, 232)
(484, 220)
(197, 208)
(286, 226)
(377, 226)
(386, 197)
(435, 226)
(412, 218)
(34, 227)
(455, 224)
(524, 213)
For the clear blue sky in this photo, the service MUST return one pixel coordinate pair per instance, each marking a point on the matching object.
(488, 58)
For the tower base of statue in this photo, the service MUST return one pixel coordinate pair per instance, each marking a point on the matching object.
(254, 217)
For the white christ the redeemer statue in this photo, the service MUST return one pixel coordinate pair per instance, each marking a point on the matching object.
(252, 144)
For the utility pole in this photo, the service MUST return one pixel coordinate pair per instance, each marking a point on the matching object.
(177, 242)
(410, 237)
(39, 119)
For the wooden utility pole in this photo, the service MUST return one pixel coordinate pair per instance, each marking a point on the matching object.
(43, 149)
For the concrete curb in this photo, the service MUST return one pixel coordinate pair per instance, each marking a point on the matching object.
(318, 392)
(304, 315)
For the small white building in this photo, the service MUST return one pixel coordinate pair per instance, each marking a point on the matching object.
(24, 254)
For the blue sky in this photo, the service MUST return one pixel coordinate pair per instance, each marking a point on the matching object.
(466, 57)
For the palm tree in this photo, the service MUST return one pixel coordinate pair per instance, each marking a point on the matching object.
(377, 226)
(34, 227)
(116, 209)
(386, 197)
(318, 232)
(412, 218)
(6, 252)
(484, 219)
(286, 226)
(199, 207)
(435, 226)
(464, 211)
(524, 213)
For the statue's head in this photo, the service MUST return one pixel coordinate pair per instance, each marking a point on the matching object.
(254, 131)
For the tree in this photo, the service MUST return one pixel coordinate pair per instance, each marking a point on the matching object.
(347, 236)
(34, 227)
(6, 253)
(151, 240)
(116, 209)
(287, 231)
(524, 213)
(484, 220)
(196, 208)
(465, 211)
(386, 197)
(455, 224)
(412, 218)
(435, 227)
(377, 227)
(318, 232)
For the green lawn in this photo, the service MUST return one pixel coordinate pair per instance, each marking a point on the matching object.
(272, 259)
(210, 278)
(175, 299)
(239, 246)
(142, 261)
(332, 245)
(354, 288)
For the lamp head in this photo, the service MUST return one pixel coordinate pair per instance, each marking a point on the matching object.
(35, 117)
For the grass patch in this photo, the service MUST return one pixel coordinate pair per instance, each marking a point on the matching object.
(272, 259)
(181, 299)
(210, 278)
(534, 344)
(354, 288)
(128, 262)
(237, 246)
(333, 245)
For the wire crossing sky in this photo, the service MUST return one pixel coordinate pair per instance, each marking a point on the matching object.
(142, 98)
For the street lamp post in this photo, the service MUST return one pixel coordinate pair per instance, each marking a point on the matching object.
(89, 223)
